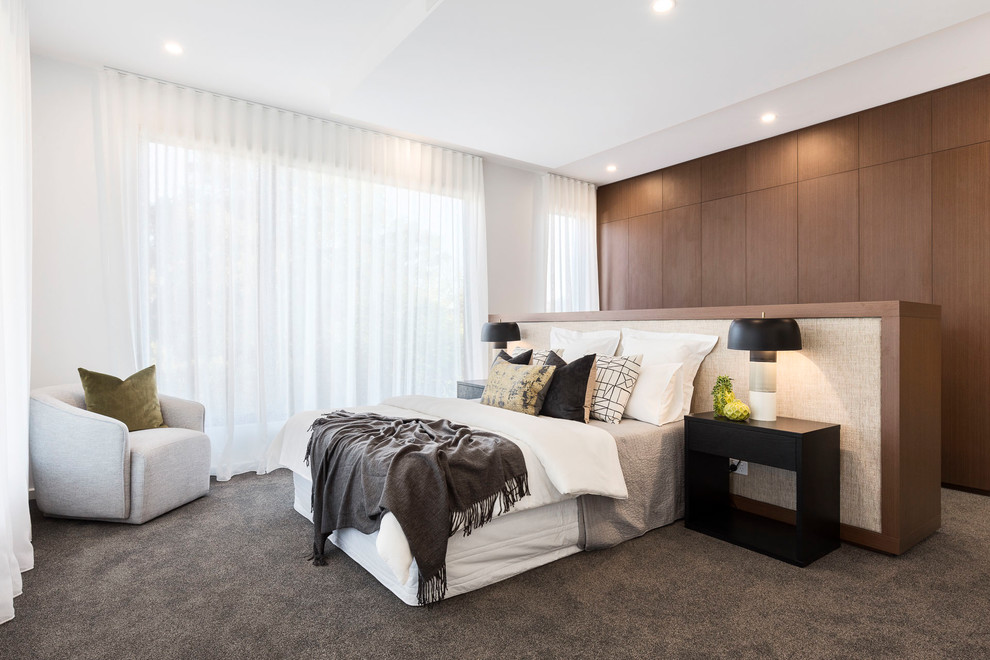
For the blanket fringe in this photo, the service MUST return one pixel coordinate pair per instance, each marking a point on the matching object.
(481, 512)
(319, 556)
(433, 590)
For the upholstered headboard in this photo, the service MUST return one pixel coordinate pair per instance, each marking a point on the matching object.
(851, 356)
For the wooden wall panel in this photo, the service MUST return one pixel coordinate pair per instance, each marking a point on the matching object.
(645, 193)
(606, 197)
(771, 162)
(771, 246)
(960, 213)
(896, 130)
(879, 240)
(828, 148)
(828, 238)
(682, 185)
(961, 114)
(723, 174)
(723, 251)
(613, 260)
(895, 220)
(644, 288)
(682, 257)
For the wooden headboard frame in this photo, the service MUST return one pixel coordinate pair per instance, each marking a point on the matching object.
(910, 408)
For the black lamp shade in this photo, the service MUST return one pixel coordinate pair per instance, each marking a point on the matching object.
(765, 335)
(500, 333)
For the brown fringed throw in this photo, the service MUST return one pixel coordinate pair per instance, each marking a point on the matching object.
(435, 477)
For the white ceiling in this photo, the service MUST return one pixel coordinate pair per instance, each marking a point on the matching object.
(564, 86)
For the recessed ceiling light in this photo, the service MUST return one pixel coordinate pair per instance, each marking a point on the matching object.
(768, 118)
(610, 168)
(663, 6)
(173, 48)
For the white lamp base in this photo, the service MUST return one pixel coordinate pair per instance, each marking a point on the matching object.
(763, 406)
(763, 390)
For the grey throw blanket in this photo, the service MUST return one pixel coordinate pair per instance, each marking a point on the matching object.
(435, 477)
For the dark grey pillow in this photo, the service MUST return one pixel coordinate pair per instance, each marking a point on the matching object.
(569, 388)
(522, 358)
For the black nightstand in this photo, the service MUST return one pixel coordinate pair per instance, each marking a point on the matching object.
(470, 389)
(810, 449)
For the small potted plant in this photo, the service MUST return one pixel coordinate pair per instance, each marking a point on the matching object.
(725, 403)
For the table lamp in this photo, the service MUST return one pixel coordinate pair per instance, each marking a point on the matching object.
(763, 338)
(499, 334)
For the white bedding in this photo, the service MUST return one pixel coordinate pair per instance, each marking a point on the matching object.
(564, 458)
(506, 546)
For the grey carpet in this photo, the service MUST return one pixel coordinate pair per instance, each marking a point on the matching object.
(226, 576)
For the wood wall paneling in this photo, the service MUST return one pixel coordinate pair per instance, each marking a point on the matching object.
(895, 220)
(645, 193)
(645, 277)
(682, 184)
(682, 273)
(961, 219)
(723, 251)
(896, 130)
(771, 245)
(613, 260)
(828, 238)
(961, 114)
(904, 249)
(828, 148)
(723, 174)
(605, 199)
(771, 162)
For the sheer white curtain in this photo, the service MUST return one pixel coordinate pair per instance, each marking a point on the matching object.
(570, 236)
(281, 263)
(16, 554)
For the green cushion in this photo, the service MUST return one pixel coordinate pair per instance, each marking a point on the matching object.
(133, 401)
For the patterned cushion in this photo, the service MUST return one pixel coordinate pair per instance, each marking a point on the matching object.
(539, 355)
(614, 383)
(517, 387)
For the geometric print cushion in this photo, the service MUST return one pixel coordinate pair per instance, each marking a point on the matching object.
(614, 383)
(540, 355)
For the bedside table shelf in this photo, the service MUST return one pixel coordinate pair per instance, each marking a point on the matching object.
(809, 449)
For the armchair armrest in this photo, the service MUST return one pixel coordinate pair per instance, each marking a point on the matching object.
(182, 414)
(80, 461)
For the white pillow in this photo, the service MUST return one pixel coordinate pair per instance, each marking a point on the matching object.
(658, 397)
(668, 347)
(577, 344)
(615, 379)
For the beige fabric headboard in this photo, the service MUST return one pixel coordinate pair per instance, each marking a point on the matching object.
(835, 378)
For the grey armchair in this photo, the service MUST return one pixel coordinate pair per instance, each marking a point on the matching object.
(87, 465)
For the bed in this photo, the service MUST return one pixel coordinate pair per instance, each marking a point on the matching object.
(591, 487)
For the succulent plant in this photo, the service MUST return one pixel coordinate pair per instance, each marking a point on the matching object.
(721, 394)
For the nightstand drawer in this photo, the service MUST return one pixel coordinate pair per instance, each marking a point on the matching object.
(744, 443)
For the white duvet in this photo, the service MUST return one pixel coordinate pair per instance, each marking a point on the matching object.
(564, 458)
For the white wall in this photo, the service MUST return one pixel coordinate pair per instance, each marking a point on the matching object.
(69, 320)
(512, 198)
